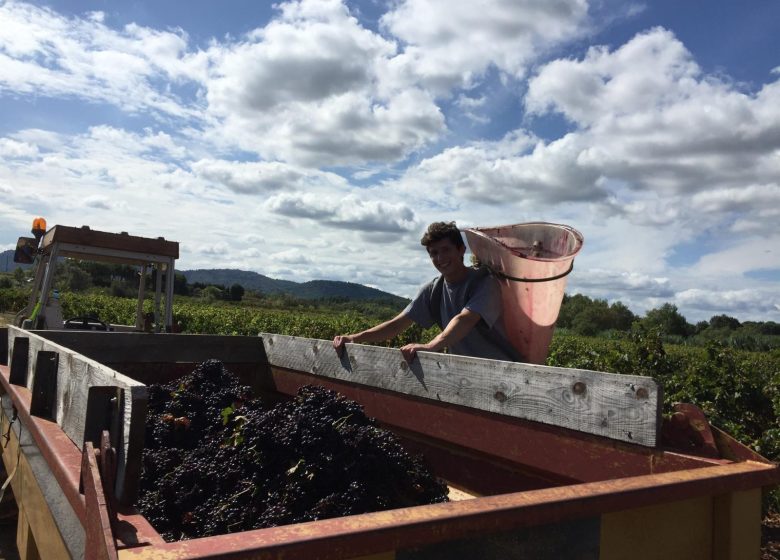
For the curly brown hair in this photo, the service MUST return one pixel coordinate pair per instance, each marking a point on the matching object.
(442, 230)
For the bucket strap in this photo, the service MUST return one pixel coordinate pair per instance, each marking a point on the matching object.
(549, 279)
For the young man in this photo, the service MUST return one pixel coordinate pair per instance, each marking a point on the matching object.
(466, 299)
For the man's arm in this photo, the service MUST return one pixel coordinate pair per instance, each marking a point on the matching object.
(454, 332)
(383, 331)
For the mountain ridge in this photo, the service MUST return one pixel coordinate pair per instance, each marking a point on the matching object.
(313, 289)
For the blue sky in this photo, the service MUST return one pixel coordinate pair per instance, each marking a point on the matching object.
(316, 139)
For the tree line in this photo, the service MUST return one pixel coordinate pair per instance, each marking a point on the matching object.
(585, 316)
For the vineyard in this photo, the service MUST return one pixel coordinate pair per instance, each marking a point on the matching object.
(738, 390)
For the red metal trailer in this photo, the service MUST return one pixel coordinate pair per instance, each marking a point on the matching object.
(542, 462)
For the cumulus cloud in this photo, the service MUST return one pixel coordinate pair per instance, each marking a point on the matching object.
(451, 44)
(518, 167)
(618, 281)
(647, 116)
(747, 302)
(214, 249)
(45, 53)
(291, 256)
(248, 177)
(13, 149)
(350, 212)
(308, 88)
(97, 201)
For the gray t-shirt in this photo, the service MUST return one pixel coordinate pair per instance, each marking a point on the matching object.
(485, 300)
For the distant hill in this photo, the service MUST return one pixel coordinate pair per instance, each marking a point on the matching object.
(313, 289)
(7, 263)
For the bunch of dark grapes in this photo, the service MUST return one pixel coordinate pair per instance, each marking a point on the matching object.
(314, 457)
(181, 413)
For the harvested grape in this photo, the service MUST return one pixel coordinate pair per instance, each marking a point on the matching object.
(218, 461)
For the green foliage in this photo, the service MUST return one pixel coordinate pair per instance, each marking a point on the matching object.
(180, 287)
(667, 320)
(12, 299)
(738, 390)
(589, 317)
(19, 276)
(236, 292)
(226, 318)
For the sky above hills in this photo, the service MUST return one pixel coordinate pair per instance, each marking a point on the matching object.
(316, 139)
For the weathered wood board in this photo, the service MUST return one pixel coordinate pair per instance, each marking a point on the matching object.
(75, 376)
(136, 348)
(621, 407)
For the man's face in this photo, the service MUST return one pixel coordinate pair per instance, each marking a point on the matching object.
(446, 256)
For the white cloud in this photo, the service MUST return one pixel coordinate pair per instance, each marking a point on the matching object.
(451, 44)
(349, 212)
(647, 116)
(12, 149)
(45, 53)
(249, 177)
(291, 256)
(752, 303)
(517, 167)
(98, 202)
(308, 88)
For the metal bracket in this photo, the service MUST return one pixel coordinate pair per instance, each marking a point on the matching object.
(687, 429)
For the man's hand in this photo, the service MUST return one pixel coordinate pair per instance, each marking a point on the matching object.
(340, 340)
(410, 350)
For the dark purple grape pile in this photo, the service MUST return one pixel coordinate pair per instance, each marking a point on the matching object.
(217, 461)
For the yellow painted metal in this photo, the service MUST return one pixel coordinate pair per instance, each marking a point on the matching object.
(721, 527)
(381, 556)
(25, 543)
(673, 530)
(736, 519)
(37, 534)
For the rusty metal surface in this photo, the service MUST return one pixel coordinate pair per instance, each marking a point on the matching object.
(552, 450)
(558, 452)
(100, 539)
(403, 528)
(688, 430)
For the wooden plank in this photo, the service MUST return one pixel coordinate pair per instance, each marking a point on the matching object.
(46, 522)
(103, 413)
(3, 346)
(108, 240)
(131, 348)
(620, 407)
(20, 358)
(44, 389)
(76, 375)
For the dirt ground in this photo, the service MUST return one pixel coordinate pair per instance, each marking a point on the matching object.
(770, 537)
(5, 318)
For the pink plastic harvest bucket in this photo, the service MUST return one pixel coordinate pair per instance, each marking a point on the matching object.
(531, 262)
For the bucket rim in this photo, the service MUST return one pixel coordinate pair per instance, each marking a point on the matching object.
(578, 237)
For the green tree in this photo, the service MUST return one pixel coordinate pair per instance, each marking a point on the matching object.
(19, 276)
(211, 293)
(724, 322)
(668, 320)
(236, 292)
(180, 284)
(621, 317)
